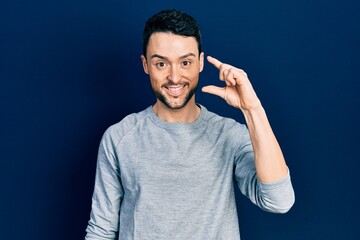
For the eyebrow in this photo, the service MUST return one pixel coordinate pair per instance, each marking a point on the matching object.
(181, 57)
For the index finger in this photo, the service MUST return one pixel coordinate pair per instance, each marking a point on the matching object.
(214, 62)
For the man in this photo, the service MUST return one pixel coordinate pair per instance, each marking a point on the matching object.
(167, 172)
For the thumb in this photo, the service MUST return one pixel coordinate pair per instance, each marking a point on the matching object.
(218, 91)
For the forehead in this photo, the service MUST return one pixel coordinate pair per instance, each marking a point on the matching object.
(169, 44)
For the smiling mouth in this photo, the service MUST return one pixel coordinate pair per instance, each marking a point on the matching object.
(175, 90)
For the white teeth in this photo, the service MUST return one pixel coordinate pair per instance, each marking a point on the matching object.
(175, 88)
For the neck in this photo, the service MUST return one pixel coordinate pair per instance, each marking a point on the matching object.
(189, 113)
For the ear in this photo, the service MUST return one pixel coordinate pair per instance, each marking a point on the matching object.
(144, 63)
(201, 61)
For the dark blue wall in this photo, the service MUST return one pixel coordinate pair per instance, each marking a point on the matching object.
(69, 69)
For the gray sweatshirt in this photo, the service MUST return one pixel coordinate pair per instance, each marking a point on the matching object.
(160, 180)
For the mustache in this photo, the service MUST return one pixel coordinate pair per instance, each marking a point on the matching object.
(171, 83)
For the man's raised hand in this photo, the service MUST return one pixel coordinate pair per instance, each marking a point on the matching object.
(238, 91)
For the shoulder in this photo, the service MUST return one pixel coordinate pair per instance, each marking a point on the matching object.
(223, 123)
(232, 133)
(117, 131)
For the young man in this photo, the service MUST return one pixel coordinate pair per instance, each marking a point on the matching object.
(167, 172)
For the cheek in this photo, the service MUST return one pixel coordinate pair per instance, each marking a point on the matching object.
(192, 74)
(156, 79)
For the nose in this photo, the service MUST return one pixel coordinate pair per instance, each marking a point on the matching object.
(174, 75)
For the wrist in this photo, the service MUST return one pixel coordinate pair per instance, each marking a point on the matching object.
(253, 108)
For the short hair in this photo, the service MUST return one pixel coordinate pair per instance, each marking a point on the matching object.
(172, 21)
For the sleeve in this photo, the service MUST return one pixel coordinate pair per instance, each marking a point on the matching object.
(277, 197)
(107, 195)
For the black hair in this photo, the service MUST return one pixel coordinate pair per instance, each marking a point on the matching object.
(172, 21)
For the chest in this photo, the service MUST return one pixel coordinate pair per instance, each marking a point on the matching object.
(156, 164)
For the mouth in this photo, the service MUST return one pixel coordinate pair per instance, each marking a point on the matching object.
(175, 90)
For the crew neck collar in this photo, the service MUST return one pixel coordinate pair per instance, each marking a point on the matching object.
(178, 125)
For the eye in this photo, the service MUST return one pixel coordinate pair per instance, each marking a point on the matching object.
(160, 65)
(186, 64)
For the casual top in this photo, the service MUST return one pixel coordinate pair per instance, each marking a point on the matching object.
(161, 180)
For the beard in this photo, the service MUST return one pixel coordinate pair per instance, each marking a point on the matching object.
(168, 104)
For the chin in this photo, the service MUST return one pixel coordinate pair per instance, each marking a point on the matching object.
(175, 106)
(179, 104)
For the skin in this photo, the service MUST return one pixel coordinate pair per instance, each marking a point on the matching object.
(269, 161)
(173, 64)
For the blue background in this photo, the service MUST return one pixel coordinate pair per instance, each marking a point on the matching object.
(69, 69)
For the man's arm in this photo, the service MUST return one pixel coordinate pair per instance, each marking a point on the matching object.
(269, 161)
(107, 196)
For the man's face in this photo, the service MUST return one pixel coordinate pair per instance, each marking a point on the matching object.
(173, 65)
